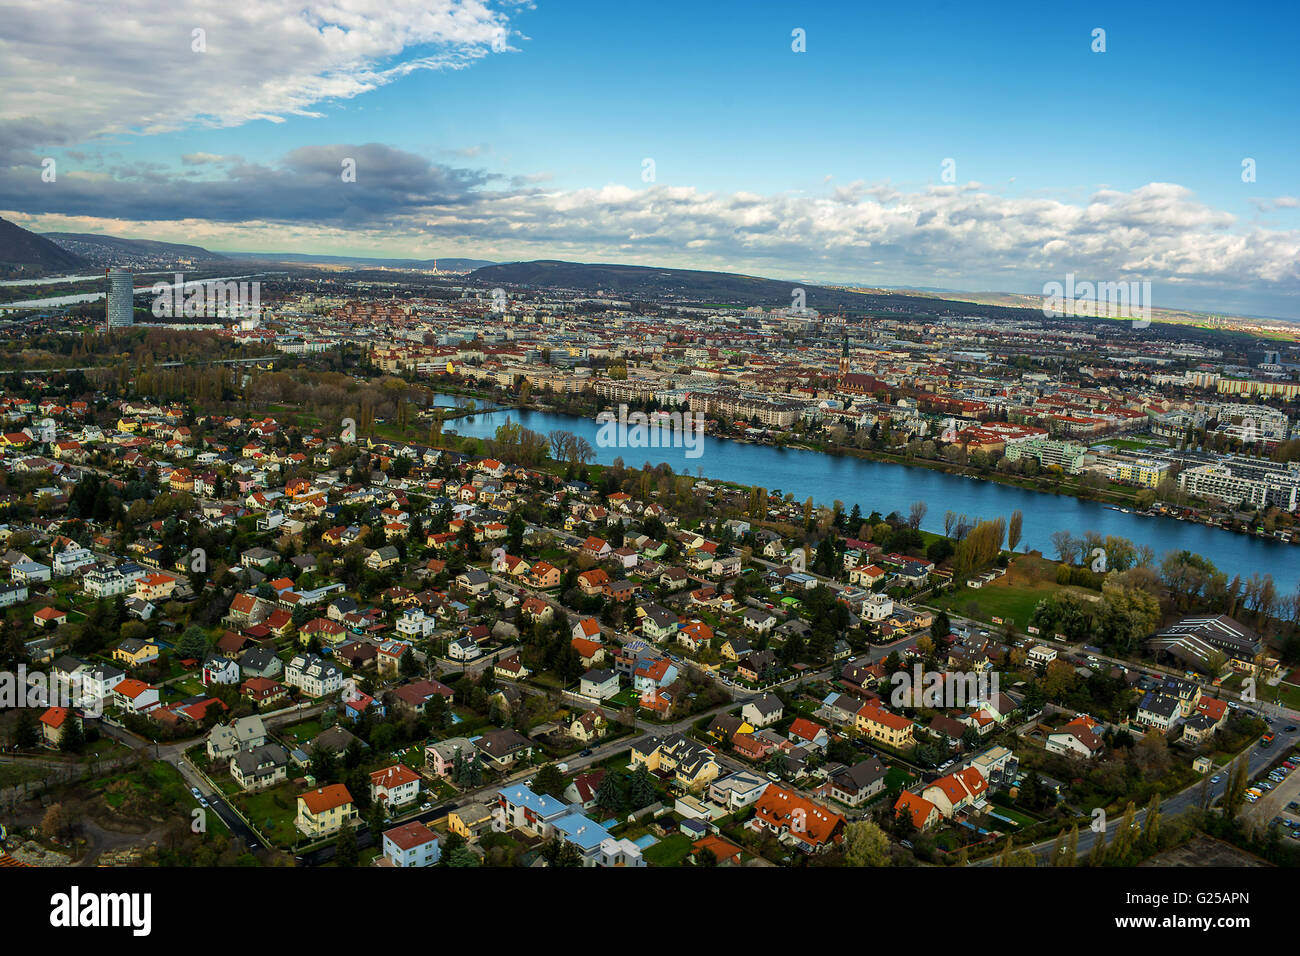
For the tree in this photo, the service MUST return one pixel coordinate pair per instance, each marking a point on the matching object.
(558, 852)
(549, 781)
(72, 739)
(26, 733)
(55, 823)
(1014, 527)
(193, 643)
(865, 844)
(609, 797)
(1066, 545)
(345, 847)
(641, 788)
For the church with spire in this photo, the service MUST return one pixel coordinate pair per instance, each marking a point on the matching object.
(852, 382)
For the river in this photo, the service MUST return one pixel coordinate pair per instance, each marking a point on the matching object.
(55, 301)
(886, 487)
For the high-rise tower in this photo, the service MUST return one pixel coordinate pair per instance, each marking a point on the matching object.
(120, 308)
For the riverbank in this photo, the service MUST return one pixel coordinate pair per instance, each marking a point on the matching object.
(1113, 496)
(883, 487)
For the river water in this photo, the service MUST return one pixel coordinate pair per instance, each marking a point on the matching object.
(886, 487)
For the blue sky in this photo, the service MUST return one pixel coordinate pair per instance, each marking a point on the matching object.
(824, 164)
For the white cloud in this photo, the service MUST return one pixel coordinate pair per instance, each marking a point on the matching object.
(72, 70)
(956, 236)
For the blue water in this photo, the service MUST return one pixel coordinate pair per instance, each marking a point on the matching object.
(885, 487)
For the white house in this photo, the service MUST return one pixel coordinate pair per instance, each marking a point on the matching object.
(600, 684)
(395, 786)
(411, 844)
(415, 624)
(220, 670)
(313, 675)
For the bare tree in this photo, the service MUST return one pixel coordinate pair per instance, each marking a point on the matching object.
(1065, 544)
(917, 514)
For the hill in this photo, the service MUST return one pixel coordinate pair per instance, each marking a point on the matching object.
(655, 284)
(26, 254)
(443, 265)
(112, 251)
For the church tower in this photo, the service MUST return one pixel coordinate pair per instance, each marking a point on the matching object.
(844, 358)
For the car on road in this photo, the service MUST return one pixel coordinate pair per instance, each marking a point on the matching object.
(203, 801)
(1289, 728)
(585, 753)
(1217, 778)
(426, 806)
(195, 791)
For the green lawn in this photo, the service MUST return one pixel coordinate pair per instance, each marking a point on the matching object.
(1013, 603)
(897, 778)
(270, 805)
(669, 851)
(305, 731)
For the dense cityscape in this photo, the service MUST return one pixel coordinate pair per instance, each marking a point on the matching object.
(510, 517)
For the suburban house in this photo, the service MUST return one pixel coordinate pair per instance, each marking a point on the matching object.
(323, 811)
(411, 844)
(226, 740)
(796, 820)
(258, 767)
(855, 785)
(394, 786)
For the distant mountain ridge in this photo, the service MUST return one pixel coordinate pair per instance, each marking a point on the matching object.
(112, 251)
(448, 264)
(26, 254)
(653, 283)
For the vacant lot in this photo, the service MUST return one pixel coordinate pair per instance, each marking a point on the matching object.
(1012, 597)
(1205, 851)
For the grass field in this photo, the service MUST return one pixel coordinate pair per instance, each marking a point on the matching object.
(263, 806)
(670, 851)
(1012, 597)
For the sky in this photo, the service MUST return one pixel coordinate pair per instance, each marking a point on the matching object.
(931, 145)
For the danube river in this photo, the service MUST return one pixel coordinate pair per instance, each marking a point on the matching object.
(885, 487)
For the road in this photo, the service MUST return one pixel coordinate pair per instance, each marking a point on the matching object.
(1188, 799)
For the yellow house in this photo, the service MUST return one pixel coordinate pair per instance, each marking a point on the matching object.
(728, 652)
(155, 587)
(881, 725)
(324, 810)
(127, 425)
(135, 651)
(691, 763)
(469, 819)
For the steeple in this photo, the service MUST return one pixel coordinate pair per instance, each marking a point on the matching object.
(844, 356)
